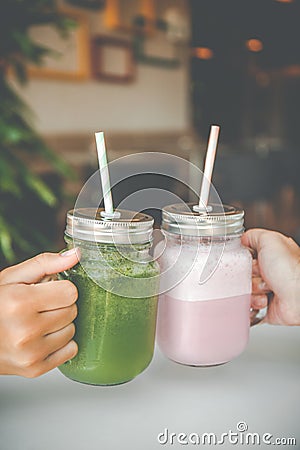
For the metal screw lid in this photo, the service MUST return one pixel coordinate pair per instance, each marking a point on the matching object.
(220, 220)
(130, 228)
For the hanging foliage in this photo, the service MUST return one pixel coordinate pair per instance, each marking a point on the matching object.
(19, 142)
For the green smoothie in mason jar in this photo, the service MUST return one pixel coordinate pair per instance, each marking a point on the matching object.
(117, 284)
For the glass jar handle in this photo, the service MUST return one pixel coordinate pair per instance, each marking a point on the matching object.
(257, 315)
(64, 274)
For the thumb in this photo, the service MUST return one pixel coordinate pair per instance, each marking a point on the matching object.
(252, 239)
(34, 269)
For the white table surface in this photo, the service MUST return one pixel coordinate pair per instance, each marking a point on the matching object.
(261, 387)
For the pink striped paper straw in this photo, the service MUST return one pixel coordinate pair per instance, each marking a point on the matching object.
(208, 168)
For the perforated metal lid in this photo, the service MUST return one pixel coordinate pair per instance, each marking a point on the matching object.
(130, 228)
(220, 220)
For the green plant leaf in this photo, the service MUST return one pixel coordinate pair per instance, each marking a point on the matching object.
(7, 179)
(19, 141)
(6, 242)
(41, 189)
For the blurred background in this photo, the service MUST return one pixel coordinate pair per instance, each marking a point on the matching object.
(154, 75)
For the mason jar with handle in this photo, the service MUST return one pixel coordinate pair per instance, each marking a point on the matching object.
(117, 284)
(204, 310)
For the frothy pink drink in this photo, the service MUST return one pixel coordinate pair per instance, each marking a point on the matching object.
(204, 318)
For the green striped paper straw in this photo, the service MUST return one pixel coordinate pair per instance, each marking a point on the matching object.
(104, 175)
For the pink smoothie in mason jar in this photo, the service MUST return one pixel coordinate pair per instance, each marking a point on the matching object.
(204, 310)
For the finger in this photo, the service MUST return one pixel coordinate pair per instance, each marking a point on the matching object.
(280, 313)
(255, 268)
(52, 295)
(51, 321)
(34, 269)
(252, 238)
(257, 238)
(54, 341)
(259, 301)
(60, 356)
(50, 362)
(259, 286)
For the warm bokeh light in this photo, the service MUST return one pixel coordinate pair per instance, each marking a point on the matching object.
(254, 45)
(203, 53)
(292, 71)
(284, 1)
(263, 79)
